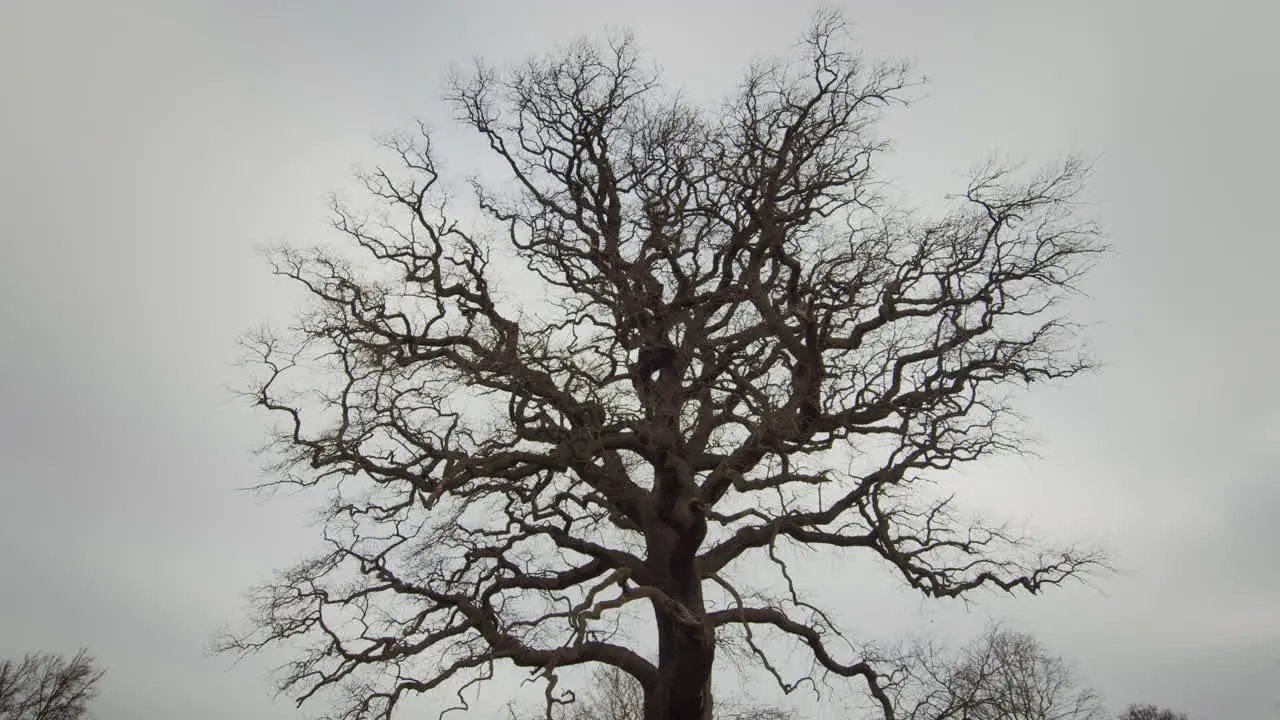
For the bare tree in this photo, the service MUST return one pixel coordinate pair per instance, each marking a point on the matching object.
(46, 686)
(1150, 712)
(1002, 675)
(740, 347)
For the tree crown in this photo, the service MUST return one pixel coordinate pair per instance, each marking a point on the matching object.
(731, 314)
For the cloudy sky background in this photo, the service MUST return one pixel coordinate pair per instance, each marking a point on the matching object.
(148, 148)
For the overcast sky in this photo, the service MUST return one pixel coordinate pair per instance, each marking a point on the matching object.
(147, 150)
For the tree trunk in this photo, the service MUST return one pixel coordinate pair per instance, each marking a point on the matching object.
(686, 651)
(686, 644)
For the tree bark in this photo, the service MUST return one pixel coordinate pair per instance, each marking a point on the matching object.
(686, 642)
(686, 651)
(685, 655)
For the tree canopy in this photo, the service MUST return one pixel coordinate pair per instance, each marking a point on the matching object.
(739, 345)
(47, 686)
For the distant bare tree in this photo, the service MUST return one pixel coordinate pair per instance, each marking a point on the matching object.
(45, 686)
(739, 347)
(614, 695)
(1150, 712)
(1003, 675)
